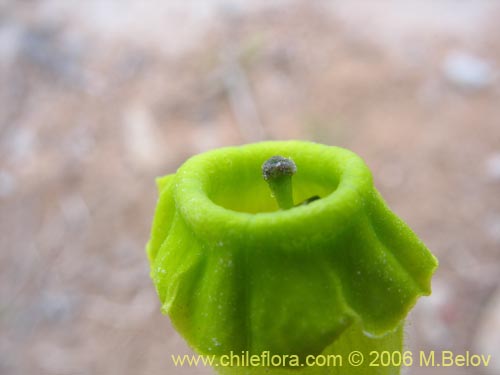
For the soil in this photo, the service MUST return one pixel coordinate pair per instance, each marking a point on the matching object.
(100, 97)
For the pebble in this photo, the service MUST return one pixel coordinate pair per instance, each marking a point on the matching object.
(57, 307)
(74, 209)
(44, 48)
(9, 42)
(52, 357)
(392, 176)
(21, 145)
(467, 71)
(492, 227)
(142, 138)
(7, 184)
(128, 315)
(487, 339)
(434, 317)
(492, 166)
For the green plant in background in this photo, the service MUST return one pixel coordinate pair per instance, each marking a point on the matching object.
(236, 273)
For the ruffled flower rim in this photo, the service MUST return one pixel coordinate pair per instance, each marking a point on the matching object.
(347, 176)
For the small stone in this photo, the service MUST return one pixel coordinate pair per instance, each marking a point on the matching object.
(132, 314)
(492, 227)
(487, 340)
(21, 145)
(74, 209)
(492, 166)
(392, 176)
(468, 71)
(57, 307)
(53, 357)
(7, 184)
(9, 41)
(142, 139)
(434, 315)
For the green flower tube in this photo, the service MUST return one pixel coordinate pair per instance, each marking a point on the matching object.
(237, 274)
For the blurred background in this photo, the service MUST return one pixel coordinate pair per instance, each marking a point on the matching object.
(98, 97)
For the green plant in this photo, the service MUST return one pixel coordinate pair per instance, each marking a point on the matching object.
(236, 273)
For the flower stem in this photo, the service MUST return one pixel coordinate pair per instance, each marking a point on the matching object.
(278, 172)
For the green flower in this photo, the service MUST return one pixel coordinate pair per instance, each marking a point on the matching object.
(236, 273)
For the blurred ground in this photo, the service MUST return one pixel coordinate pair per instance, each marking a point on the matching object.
(99, 97)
